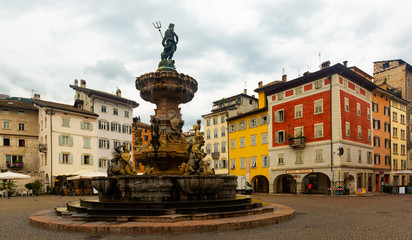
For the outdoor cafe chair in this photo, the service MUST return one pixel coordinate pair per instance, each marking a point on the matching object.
(3, 193)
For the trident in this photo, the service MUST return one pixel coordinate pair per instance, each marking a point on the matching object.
(158, 26)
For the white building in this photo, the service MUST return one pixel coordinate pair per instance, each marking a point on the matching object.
(67, 141)
(114, 122)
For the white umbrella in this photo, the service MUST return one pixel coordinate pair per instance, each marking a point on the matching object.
(407, 172)
(88, 175)
(12, 175)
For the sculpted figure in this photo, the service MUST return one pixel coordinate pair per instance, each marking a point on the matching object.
(154, 128)
(120, 163)
(169, 43)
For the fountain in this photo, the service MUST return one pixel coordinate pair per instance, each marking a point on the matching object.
(177, 185)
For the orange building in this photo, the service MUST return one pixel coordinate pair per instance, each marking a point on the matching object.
(146, 137)
(381, 136)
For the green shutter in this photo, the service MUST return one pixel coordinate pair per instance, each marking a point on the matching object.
(91, 160)
(71, 141)
(276, 137)
(60, 157)
(60, 140)
(82, 159)
(71, 158)
(108, 144)
(91, 126)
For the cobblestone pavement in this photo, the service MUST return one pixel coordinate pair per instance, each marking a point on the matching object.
(317, 217)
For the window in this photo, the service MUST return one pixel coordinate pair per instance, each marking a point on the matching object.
(86, 142)
(253, 140)
(115, 111)
(102, 163)
(403, 134)
(395, 148)
(232, 163)
(298, 90)
(360, 156)
(127, 129)
(387, 160)
(318, 106)
(224, 163)
(281, 158)
(299, 157)
(126, 114)
(375, 107)
(298, 111)
(208, 135)
(264, 120)
(242, 125)
(319, 130)
(232, 143)
(279, 96)
(368, 113)
(319, 155)
(346, 104)
(280, 116)
(264, 138)
(66, 141)
(223, 144)
(387, 143)
(22, 143)
(265, 161)
(6, 125)
(369, 135)
(358, 109)
(376, 141)
(253, 123)
(242, 163)
(395, 132)
(6, 111)
(376, 124)
(280, 137)
(318, 84)
(87, 159)
(6, 142)
(253, 162)
(222, 118)
(21, 126)
(242, 142)
(65, 158)
(208, 149)
(402, 119)
(387, 127)
(215, 120)
(347, 128)
(377, 159)
(103, 108)
(395, 164)
(223, 132)
(403, 150)
(357, 89)
(359, 132)
(395, 116)
(216, 147)
(386, 111)
(86, 126)
(104, 143)
(369, 157)
(232, 127)
(21, 113)
(299, 131)
(65, 122)
(208, 122)
(215, 133)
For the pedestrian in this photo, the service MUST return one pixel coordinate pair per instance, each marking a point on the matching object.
(310, 188)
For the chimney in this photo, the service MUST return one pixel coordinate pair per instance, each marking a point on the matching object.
(245, 91)
(284, 77)
(118, 93)
(345, 63)
(83, 83)
(76, 82)
(36, 96)
(260, 84)
(253, 96)
(325, 64)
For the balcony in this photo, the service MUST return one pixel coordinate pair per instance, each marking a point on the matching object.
(215, 155)
(17, 165)
(42, 148)
(297, 142)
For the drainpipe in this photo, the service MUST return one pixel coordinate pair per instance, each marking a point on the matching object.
(331, 138)
(51, 112)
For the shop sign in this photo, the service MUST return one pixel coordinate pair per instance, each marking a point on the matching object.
(297, 171)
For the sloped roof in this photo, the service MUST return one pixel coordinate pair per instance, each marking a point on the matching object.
(25, 104)
(63, 107)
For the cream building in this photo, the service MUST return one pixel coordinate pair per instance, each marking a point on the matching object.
(67, 141)
(398, 127)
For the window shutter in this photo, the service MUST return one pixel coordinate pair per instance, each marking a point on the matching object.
(60, 157)
(71, 158)
(71, 141)
(91, 126)
(108, 144)
(91, 160)
(120, 127)
(100, 124)
(82, 125)
(111, 127)
(82, 161)
(277, 116)
(100, 143)
(107, 126)
(130, 130)
(277, 137)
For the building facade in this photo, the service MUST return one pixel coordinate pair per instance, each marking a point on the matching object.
(146, 137)
(67, 142)
(320, 135)
(114, 122)
(215, 128)
(398, 141)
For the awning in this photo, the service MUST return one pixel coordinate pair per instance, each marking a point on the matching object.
(88, 175)
(407, 172)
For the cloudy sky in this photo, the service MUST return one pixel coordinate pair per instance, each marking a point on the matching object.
(224, 45)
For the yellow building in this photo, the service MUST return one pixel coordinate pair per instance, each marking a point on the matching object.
(398, 142)
(248, 145)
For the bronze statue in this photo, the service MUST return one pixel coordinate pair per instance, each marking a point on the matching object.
(169, 43)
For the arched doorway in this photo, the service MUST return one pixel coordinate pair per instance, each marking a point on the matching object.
(285, 183)
(349, 183)
(319, 182)
(260, 184)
